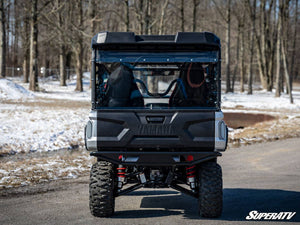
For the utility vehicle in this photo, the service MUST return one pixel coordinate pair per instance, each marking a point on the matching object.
(156, 120)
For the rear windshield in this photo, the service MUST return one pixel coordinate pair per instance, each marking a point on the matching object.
(157, 80)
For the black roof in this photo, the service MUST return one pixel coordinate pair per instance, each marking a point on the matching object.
(109, 39)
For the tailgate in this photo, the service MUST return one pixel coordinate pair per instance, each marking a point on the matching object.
(151, 130)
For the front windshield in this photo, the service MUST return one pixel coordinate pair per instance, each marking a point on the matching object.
(156, 80)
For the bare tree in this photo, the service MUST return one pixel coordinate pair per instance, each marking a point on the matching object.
(240, 13)
(243, 53)
(92, 16)
(237, 64)
(293, 57)
(78, 47)
(140, 14)
(227, 18)
(162, 17)
(33, 61)
(195, 5)
(227, 53)
(16, 35)
(127, 21)
(286, 72)
(250, 35)
(284, 9)
(33, 74)
(25, 38)
(264, 37)
(3, 39)
(58, 11)
(62, 45)
(148, 17)
(182, 14)
(8, 29)
(252, 9)
(278, 51)
(238, 9)
(26, 52)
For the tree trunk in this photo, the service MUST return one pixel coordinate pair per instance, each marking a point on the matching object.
(194, 15)
(278, 55)
(242, 60)
(33, 78)
(68, 58)
(62, 64)
(78, 55)
(250, 75)
(26, 46)
(16, 39)
(127, 15)
(7, 31)
(293, 56)
(237, 65)
(281, 80)
(292, 66)
(62, 46)
(284, 13)
(26, 66)
(79, 48)
(262, 40)
(162, 17)
(286, 73)
(227, 53)
(182, 15)
(46, 62)
(92, 14)
(3, 42)
(140, 16)
(147, 17)
(271, 32)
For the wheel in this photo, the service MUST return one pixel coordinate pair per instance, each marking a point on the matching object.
(102, 199)
(210, 190)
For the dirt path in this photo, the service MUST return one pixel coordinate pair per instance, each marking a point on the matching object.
(50, 103)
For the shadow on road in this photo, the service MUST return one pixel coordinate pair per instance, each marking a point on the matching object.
(237, 204)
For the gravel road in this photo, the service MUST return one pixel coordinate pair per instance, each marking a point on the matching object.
(263, 177)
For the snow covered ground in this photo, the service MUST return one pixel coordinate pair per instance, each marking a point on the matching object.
(41, 121)
(261, 100)
(48, 121)
(28, 129)
(15, 89)
(11, 90)
(51, 123)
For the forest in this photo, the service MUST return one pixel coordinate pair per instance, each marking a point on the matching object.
(260, 38)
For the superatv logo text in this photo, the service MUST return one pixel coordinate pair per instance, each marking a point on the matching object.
(254, 215)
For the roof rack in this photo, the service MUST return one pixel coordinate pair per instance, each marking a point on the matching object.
(129, 38)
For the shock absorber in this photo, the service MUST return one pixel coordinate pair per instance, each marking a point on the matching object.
(121, 176)
(191, 173)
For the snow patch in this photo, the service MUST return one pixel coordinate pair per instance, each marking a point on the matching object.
(30, 130)
(11, 90)
(260, 100)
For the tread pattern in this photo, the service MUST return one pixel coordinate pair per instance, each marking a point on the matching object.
(210, 190)
(102, 200)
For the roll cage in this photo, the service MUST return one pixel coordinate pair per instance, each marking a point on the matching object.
(135, 51)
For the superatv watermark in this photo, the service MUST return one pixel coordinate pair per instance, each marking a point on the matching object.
(255, 215)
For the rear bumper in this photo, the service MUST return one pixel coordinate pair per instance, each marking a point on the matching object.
(155, 158)
(203, 131)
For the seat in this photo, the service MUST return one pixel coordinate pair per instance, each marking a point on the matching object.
(193, 80)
